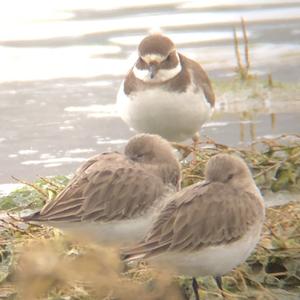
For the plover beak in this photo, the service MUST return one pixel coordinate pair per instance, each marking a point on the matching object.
(153, 69)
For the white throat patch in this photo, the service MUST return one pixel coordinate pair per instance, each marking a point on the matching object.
(153, 57)
(161, 76)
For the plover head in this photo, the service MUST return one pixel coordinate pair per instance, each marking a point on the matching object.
(228, 169)
(158, 59)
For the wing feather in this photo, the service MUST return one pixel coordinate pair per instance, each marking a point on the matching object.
(108, 187)
(200, 216)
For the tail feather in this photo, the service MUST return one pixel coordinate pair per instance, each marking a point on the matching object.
(32, 217)
(143, 251)
(130, 257)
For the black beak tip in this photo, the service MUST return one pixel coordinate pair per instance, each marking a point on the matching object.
(152, 70)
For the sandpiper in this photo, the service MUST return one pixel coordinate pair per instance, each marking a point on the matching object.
(165, 92)
(208, 228)
(113, 197)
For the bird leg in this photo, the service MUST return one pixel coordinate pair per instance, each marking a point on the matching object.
(195, 286)
(218, 280)
(196, 139)
(196, 143)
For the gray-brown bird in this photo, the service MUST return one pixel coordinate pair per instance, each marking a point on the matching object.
(113, 197)
(208, 228)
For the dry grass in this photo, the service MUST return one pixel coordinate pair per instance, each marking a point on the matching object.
(43, 264)
(40, 263)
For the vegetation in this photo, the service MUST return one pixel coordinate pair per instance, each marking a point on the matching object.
(40, 263)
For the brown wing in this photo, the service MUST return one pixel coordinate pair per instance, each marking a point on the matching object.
(110, 187)
(200, 77)
(202, 215)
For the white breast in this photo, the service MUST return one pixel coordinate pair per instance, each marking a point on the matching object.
(213, 260)
(175, 116)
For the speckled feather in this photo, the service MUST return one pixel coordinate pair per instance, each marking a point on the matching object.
(112, 186)
(202, 215)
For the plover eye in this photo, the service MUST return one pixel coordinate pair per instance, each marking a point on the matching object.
(141, 62)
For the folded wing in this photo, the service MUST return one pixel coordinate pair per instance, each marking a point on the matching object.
(107, 187)
(200, 216)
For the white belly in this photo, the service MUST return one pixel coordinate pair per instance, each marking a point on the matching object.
(214, 260)
(174, 116)
(112, 233)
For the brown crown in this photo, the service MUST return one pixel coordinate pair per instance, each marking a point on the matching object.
(156, 44)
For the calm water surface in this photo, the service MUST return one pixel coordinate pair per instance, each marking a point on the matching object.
(62, 63)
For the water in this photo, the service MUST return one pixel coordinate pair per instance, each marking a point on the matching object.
(62, 63)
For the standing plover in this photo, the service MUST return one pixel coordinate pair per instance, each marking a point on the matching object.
(208, 228)
(165, 92)
(113, 196)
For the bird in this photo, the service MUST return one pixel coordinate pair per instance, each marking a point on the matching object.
(165, 92)
(208, 228)
(112, 197)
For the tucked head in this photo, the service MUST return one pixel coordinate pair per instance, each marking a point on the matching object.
(227, 168)
(157, 154)
(150, 148)
(158, 59)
